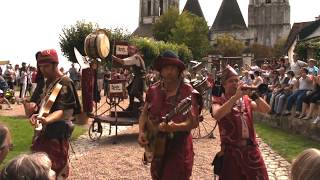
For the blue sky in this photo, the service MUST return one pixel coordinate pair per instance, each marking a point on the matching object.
(32, 25)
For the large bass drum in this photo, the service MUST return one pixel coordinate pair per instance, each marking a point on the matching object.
(97, 45)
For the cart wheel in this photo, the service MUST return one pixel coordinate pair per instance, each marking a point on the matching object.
(205, 128)
(95, 130)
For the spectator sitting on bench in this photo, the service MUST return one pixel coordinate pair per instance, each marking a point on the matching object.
(280, 100)
(305, 85)
(311, 100)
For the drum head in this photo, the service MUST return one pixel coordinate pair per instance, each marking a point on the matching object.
(96, 45)
(103, 45)
(89, 44)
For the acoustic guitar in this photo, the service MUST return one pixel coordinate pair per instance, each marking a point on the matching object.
(157, 139)
(46, 106)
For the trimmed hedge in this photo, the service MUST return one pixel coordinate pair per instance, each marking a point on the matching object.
(152, 49)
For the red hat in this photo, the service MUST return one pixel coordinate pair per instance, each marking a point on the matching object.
(227, 73)
(47, 56)
(168, 58)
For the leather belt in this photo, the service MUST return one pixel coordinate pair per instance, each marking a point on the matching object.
(242, 143)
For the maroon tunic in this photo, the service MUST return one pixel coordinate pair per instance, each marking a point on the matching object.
(57, 150)
(53, 139)
(178, 158)
(241, 162)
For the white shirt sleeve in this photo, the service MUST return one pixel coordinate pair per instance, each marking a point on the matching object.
(301, 63)
(132, 60)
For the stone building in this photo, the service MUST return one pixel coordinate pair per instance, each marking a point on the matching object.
(150, 11)
(269, 20)
(229, 20)
(193, 7)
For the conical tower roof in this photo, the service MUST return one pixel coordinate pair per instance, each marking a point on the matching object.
(193, 6)
(229, 17)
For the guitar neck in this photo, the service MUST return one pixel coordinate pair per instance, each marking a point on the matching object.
(182, 107)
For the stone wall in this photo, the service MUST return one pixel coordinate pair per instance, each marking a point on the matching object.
(269, 22)
(292, 125)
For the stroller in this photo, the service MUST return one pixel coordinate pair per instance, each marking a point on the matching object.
(6, 92)
(9, 94)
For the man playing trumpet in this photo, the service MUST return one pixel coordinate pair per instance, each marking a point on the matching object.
(239, 148)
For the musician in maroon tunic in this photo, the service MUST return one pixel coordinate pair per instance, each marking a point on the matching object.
(162, 97)
(242, 159)
(53, 138)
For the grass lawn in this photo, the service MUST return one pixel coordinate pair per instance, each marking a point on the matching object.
(286, 144)
(22, 133)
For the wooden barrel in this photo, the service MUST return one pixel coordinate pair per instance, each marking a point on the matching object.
(97, 45)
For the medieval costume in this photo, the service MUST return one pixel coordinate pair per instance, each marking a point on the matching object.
(54, 138)
(177, 160)
(136, 86)
(242, 159)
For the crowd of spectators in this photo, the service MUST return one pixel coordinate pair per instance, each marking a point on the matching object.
(293, 89)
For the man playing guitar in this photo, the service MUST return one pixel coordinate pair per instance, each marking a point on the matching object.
(161, 98)
(53, 138)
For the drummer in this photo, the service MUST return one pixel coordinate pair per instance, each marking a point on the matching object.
(136, 87)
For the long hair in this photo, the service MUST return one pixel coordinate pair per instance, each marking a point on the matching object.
(306, 166)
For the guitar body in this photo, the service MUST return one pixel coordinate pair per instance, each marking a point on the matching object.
(156, 147)
(157, 142)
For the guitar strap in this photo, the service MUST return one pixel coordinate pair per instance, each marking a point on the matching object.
(177, 96)
(48, 91)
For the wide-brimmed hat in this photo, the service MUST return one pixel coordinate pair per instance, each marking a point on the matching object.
(168, 58)
(312, 60)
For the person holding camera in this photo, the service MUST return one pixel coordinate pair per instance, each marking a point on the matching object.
(239, 148)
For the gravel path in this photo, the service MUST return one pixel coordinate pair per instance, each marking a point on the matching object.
(104, 160)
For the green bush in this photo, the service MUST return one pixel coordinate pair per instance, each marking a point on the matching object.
(151, 49)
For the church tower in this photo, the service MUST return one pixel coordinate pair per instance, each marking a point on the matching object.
(150, 11)
(193, 7)
(269, 20)
(229, 20)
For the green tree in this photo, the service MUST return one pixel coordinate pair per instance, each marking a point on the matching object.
(278, 48)
(151, 49)
(227, 45)
(261, 51)
(192, 31)
(186, 28)
(162, 28)
(74, 36)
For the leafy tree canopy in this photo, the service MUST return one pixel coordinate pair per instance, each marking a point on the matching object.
(185, 28)
(74, 36)
(227, 45)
